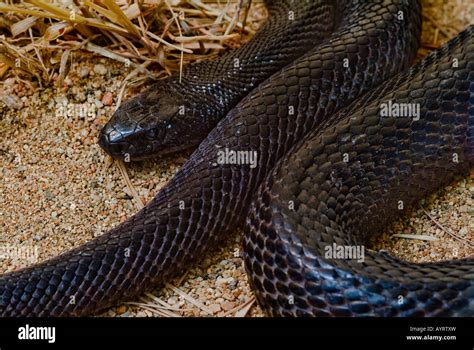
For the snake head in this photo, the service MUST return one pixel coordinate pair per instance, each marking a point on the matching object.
(151, 124)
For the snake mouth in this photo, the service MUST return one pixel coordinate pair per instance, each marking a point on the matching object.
(115, 149)
(118, 147)
(125, 139)
(113, 142)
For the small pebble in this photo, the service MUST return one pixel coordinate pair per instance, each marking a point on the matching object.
(228, 305)
(100, 69)
(98, 103)
(463, 231)
(10, 82)
(108, 99)
(121, 309)
(214, 308)
(83, 71)
(49, 195)
(11, 101)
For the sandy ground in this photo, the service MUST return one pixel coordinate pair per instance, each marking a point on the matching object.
(59, 189)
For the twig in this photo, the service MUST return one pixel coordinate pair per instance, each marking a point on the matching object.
(181, 59)
(456, 237)
(420, 237)
(163, 303)
(437, 25)
(127, 79)
(154, 309)
(181, 279)
(246, 308)
(123, 170)
(189, 298)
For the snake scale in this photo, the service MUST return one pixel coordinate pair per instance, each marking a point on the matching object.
(321, 145)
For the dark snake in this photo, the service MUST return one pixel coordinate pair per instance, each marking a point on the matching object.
(330, 170)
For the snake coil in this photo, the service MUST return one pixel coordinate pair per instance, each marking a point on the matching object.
(298, 122)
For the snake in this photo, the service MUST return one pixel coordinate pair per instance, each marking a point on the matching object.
(338, 201)
(330, 170)
(193, 102)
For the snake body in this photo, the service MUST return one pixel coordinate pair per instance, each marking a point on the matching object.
(301, 112)
(193, 102)
(389, 161)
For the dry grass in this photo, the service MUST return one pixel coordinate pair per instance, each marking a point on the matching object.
(442, 20)
(37, 36)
